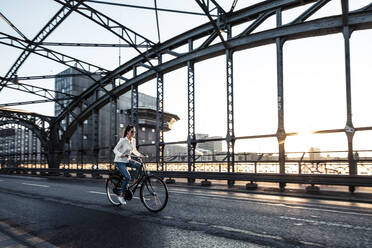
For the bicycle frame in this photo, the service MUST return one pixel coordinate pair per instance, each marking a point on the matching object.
(142, 177)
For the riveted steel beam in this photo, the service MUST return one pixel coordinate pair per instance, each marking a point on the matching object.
(56, 20)
(134, 104)
(324, 26)
(90, 45)
(147, 8)
(159, 119)
(32, 102)
(213, 22)
(235, 18)
(191, 144)
(131, 37)
(280, 134)
(230, 136)
(79, 65)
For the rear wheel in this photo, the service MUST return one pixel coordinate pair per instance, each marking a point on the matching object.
(154, 194)
(112, 192)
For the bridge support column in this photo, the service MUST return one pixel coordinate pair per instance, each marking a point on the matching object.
(134, 104)
(280, 134)
(349, 128)
(230, 137)
(54, 149)
(191, 144)
(113, 127)
(95, 144)
(159, 119)
(81, 149)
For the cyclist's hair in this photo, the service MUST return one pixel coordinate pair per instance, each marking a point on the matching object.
(126, 130)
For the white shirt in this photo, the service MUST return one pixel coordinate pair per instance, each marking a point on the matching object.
(125, 147)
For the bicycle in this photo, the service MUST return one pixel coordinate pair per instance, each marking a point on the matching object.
(153, 190)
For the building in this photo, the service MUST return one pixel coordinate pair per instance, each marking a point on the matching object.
(82, 142)
(179, 150)
(210, 147)
(314, 153)
(19, 145)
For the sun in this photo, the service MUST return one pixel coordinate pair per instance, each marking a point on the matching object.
(302, 142)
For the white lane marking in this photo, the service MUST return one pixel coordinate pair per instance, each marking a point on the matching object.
(231, 229)
(102, 193)
(95, 192)
(25, 177)
(319, 222)
(311, 243)
(261, 235)
(268, 203)
(37, 185)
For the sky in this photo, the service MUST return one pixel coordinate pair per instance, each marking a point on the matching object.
(314, 73)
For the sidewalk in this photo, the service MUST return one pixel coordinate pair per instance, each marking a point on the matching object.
(338, 193)
(13, 237)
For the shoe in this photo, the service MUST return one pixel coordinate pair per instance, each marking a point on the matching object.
(122, 201)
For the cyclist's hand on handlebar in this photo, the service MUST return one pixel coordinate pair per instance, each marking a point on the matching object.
(124, 155)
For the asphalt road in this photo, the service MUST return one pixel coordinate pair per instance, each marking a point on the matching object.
(41, 212)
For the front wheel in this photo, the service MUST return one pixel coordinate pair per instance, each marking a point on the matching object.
(154, 194)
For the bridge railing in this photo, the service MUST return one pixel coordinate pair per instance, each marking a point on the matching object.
(303, 168)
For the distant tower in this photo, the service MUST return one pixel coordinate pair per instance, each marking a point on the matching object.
(314, 153)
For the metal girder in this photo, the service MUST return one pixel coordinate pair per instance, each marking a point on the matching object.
(79, 65)
(34, 122)
(48, 77)
(280, 133)
(89, 44)
(157, 19)
(230, 136)
(261, 18)
(345, 10)
(148, 8)
(324, 26)
(113, 124)
(56, 20)
(349, 127)
(310, 11)
(159, 119)
(33, 102)
(191, 144)
(209, 40)
(33, 88)
(40, 133)
(95, 132)
(134, 104)
(235, 18)
(12, 25)
(217, 29)
(220, 9)
(17, 113)
(233, 5)
(131, 37)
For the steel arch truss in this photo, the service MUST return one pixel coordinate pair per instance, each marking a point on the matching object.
(357, 20)
(39, 124)
(299, 28)
(56, 20)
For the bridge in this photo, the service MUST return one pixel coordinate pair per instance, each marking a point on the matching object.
(59, 162)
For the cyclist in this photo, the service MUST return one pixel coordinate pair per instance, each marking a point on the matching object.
(123, 150)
